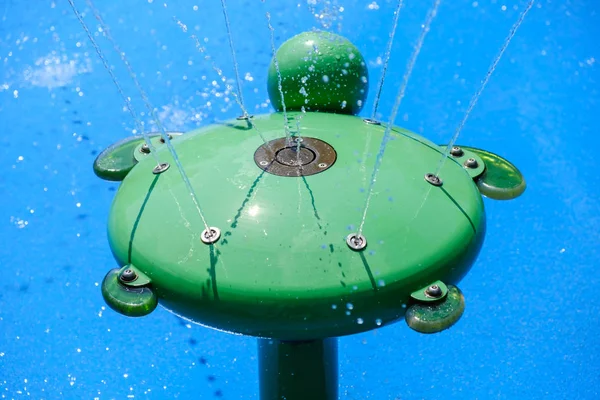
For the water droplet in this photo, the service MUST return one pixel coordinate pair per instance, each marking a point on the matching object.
(350, 306)
(359, 321)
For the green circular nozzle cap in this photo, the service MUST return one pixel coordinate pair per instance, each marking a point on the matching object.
(501, 180)
(131, 301)
(115, 162)
(319, 71)
(433, 317)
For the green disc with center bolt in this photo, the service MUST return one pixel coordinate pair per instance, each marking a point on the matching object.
(501, 180)
(132, 301)
(432, 317)
(115, 162)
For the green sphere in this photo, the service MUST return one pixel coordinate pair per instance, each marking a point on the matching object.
(319, 71)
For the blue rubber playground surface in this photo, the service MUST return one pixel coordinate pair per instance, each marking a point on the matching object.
(531, 327)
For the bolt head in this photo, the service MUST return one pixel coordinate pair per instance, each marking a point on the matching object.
(128, 275)
(457, 151)
(433, 291)
(162, 139)
(433, 179)
(471, 163)
(356, 242)
(211, 235)
(145, 149)
(370, 121)
(160, 168)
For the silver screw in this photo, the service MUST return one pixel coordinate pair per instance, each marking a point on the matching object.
(434, 291)
(128, 275)
(457, 151)
(162, 140)
(471, 163)
(160, 168)
(210, 235)
(371, 121)
(433, 179)
(145, 149)
(356, 242)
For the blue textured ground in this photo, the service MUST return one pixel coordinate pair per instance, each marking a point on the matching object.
(531, 328)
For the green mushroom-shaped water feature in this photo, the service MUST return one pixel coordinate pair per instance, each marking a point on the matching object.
(282, 260)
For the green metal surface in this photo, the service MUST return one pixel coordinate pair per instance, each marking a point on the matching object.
(501, 180)
(320, 71)
(127, 300)
(433, 317)
(298, 370)
(282, 268)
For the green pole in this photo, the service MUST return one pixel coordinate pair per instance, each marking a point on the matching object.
(299, 370)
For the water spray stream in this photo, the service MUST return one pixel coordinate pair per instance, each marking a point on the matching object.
(219, 72)
(475, 97)
(388, 52)
(286, 128)
(298, 142)
(298, 136)
(386, 136)
(152, 112)
(235, 64)
(128, 105)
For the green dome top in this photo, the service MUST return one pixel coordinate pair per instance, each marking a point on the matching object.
(282, 267)
(319, 71)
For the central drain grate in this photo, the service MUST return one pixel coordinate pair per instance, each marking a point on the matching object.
(284, 158)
